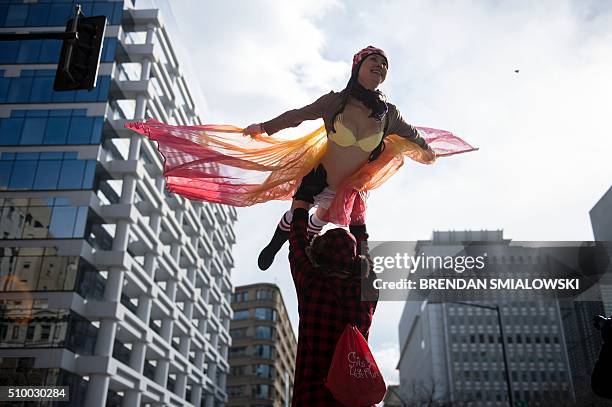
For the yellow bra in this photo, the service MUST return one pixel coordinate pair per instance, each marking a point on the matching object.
(344, 137)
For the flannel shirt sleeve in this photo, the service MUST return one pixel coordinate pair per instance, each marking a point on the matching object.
(298, 241)
(361, 236)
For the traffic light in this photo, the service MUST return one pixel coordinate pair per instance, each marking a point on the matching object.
(80, 58)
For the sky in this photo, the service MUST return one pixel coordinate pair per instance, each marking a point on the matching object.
(543, 133)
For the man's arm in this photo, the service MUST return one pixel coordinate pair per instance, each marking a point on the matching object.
(361, 236)
(293, 118)
(298, 241)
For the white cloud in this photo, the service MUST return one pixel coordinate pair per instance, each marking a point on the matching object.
(259, 57)
(386, 358)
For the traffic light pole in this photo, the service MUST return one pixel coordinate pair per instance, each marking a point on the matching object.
(79, 60)
(52, 35)
(40, 36)
(506, 366)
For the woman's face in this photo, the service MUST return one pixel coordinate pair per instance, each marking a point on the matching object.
(373, 71)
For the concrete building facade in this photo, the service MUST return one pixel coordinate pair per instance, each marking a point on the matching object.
(601, 217)
(451, 352)
(109, 284)
(601, 223)
(262, 356)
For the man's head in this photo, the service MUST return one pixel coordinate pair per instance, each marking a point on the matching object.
(335, 249)
(336, 252)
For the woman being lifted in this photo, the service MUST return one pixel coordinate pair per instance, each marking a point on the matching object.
(357, 120)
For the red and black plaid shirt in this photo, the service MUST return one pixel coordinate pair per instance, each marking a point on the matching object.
(325, 305)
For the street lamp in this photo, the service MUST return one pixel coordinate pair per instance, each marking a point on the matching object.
(503, 343)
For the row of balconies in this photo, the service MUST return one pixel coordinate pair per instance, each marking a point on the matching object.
(185, 290)
(168, 259)
(159, 349)
(152, 199)
(191, 250)
(171, 229)
(163, 101)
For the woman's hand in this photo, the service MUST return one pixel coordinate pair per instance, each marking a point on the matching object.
(254, 129)
(429, 154)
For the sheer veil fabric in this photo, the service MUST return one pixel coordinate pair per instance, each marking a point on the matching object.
(216, 163)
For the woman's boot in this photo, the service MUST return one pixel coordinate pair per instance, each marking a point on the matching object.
(281, 235)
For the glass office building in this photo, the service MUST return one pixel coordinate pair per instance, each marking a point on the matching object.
(109, 284)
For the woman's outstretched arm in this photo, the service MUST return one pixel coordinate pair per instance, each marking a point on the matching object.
(397, 125)
(291, 118)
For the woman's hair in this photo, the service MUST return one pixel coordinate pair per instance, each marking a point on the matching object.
(378, 110)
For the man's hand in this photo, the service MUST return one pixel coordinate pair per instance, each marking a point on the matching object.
(253, 130)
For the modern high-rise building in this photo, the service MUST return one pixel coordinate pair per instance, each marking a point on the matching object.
(262, 356)
(601, 217)
(109, 285)
(601, 223)
(392, 397)
(583, 343)
(452, 352)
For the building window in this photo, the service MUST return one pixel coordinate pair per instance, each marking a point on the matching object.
(15, 332)
(56, 13)
(264, 332)
(265, 371)
(265, 294)
(46, 218)
(45, 332)
(238, 351)
(267, 314)
(241, 296)
(261, 391)
(46, 328)
(238, 333)
(239, 315)
(235, 391)
(30, 332)
(36, 86)
(45, 171)
(237, 370)
(265, 351)
(38, 269)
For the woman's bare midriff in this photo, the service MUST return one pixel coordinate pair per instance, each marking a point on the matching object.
(341, 162)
